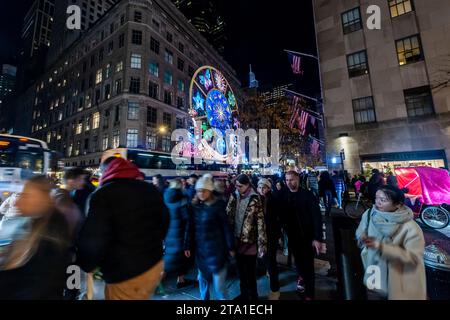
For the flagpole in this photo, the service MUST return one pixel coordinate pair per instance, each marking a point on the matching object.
(321, 105)
(301, 95)
(302, 54)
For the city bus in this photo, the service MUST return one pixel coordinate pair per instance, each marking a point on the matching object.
(152, 163)
(20, 159)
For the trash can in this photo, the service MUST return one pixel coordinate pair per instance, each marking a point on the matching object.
(350, 271)
(437, 266)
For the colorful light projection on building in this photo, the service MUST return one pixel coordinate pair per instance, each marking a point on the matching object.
(213, 105)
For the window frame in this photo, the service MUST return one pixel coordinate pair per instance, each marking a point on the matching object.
(348, 28)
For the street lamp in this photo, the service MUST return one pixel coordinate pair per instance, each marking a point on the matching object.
(162, 129)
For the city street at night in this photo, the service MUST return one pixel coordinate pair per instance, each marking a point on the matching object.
(190, 152)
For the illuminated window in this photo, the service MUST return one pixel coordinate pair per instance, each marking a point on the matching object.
(409, 50)
(116, 139)
(96, 120)
(99, 76)
(105, 142)
(168, 56)
(154, 69)
(136, 61)
(181, 85)
(108, 71)
(133, 111)
(119, 66)
(132, 138)
(400, 7)
(168, 78)
(151, 140)
(79, 127)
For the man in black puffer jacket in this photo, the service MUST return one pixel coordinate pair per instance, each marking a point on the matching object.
(123, 234)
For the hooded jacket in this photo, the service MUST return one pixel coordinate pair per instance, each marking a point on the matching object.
(177, 202)
(210, 235)
(125, 227)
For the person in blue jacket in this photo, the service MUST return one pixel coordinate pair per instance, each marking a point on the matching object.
(211, 236)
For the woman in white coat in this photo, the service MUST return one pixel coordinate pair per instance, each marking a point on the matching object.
(392, 249)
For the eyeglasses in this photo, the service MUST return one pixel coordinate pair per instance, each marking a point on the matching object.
(382, 199)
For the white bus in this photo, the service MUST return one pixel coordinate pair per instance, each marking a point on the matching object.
(152, 163)
(20, 159)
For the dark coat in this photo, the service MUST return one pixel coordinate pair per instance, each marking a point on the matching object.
(80, 197)
(375, 182)
(189, 191)
(301, 216)
(174, 258)
(43, 277)
(326, 184)
(211, 236)
(125, 227)
(272, 219)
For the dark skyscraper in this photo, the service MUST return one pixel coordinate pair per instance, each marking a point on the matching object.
(206, 18)
(35, 38)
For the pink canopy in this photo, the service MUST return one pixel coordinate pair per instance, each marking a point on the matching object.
(432, 184)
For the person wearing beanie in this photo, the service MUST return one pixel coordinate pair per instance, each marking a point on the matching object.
(212, 239)
(124, 231)
(273, 230)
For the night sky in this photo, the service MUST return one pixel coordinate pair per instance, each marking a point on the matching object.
(258, 31)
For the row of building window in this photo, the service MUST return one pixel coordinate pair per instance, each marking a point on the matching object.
(409, 50)
(152, 142)
(419, 102)
(351, 19)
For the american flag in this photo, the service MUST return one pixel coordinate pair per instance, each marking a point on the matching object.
(303, 122)
(296, 101)
(293, 118)
(315, 147)
(296, 63)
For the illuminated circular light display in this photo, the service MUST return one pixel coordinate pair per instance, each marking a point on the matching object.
(213, 105)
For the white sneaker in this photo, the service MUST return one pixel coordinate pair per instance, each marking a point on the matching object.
(274, 295)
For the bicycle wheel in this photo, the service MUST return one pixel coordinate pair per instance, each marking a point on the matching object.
(435, 217)
(355, 209)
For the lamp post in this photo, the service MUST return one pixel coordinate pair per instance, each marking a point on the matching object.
(342, 155)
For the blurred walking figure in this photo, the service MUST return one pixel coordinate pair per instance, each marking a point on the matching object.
(273, 231)
(8, 207)
(391, 180)
(393, 242)
(327, 191)
(33, 259)
(80, 188)
(212, 239)
(339, 185)
(189, 190)
(160, 184)
(123, 234)
(303, 222)
(375, 182)
(246, 216)
(219, 189)
(175, 260)
(312, 183)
